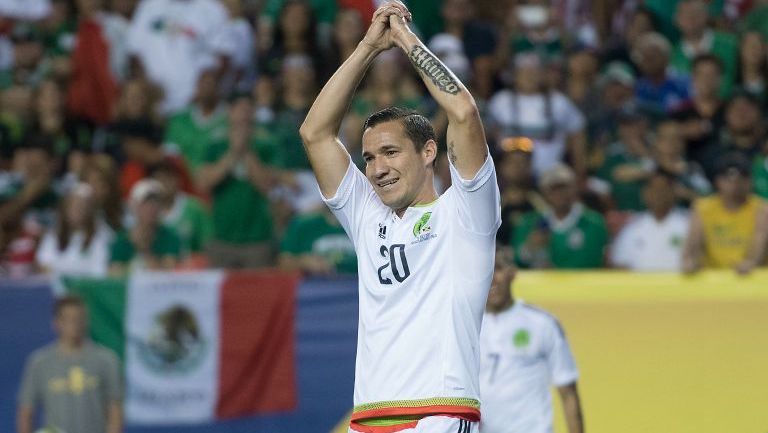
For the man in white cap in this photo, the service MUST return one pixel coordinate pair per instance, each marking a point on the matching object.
(147, 244)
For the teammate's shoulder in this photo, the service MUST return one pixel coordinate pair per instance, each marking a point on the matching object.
(542, 315)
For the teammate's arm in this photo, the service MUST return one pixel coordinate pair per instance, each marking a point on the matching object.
(694, 244)
(756, 252)
(320, 129)
(467, 148)
(569, 396)
(24, 419)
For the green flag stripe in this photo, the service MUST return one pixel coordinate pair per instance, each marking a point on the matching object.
(105, 299)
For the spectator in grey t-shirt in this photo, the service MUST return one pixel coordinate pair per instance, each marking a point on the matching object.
(74, 381)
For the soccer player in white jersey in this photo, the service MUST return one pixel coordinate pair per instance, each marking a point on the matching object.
(424, 261)
(523, 353)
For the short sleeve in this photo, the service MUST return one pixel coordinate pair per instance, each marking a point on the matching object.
(621, 251)
(478, 199)
(562, 365)
(121, 250)
(29, 392)
(568, 115)
(112, 377)
(47, 251)
(349, 202)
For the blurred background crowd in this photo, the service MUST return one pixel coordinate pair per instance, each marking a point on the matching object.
(163, 134)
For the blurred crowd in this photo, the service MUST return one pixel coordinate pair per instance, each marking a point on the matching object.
(163, 134)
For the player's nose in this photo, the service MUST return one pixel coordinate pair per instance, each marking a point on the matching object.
(380, 166)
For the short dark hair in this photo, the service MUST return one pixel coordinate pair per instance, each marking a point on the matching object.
(417, 127)
(707, 58)
(67, 301)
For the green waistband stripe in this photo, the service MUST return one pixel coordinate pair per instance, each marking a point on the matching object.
(390, 420)
(436, 401)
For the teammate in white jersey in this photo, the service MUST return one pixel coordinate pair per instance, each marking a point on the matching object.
(424, 261)
(523, 353)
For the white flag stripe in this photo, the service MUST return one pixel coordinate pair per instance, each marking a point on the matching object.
(172, 353)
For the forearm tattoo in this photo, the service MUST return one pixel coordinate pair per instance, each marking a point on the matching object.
(430, 66)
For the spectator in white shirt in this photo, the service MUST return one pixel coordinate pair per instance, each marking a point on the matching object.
(79, 242)
(654, 239)
(174, 40)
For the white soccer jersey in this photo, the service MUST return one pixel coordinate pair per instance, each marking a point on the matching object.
(423, 283)
(523, 352)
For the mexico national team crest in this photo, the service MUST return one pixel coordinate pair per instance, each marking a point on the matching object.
(175, 343)
(422, 230)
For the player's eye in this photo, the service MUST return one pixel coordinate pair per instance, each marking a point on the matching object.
(391, 153)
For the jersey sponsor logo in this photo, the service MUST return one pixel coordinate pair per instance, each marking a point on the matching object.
(175, 344)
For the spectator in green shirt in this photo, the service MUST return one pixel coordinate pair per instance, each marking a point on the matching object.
(567, 235)
(316, 244)
(697, 38)
(147, 244)
(185, 214)
(239, 181)
(191, 131)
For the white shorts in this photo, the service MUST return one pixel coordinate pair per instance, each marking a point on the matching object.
(430, 424)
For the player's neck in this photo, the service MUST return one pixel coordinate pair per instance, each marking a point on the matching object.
(501, 308)
(427, 196)
(71, 346)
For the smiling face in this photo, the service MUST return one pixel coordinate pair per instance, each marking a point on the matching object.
(400, 174)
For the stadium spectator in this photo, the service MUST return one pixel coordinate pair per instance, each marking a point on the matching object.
(669, 156)
(79, 242)
(619, 49)
(27, 66)
(296, 33)
(276, 13)
(702, 119)
(697, 37)
(147, 243)
(744, 132)
(184, 214)
(753, 65)
(517, 186)
(298, 89)
(192, 131)
(347, 33)
(239, 183)
(532, 26)
(616, 87)
(653, 240)
(76, 383)
(466, 46)
(140, 142)
(760, 172)
(567, 234)
(242, 70)
(549, 118)
(99, 62)
(174, 41)
(523, 352)
(101, 174)
(316, 244)
(627, 163)
(139, 99)
(657, 92)
(67, 135)
(27, 202)
(581, 84)
(729, 229)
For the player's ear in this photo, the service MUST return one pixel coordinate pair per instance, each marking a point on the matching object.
(429, 151)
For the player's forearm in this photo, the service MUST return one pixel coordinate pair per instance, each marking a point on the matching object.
(24, 418)
(324, 118)
(443, 85)
(115, 418)
(572, 409)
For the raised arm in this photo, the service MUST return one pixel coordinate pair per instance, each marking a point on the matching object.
(320, 130)
(467, 147)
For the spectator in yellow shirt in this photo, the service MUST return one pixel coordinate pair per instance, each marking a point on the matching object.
(730, 228)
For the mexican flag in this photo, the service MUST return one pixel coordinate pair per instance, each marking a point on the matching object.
(198, 346)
